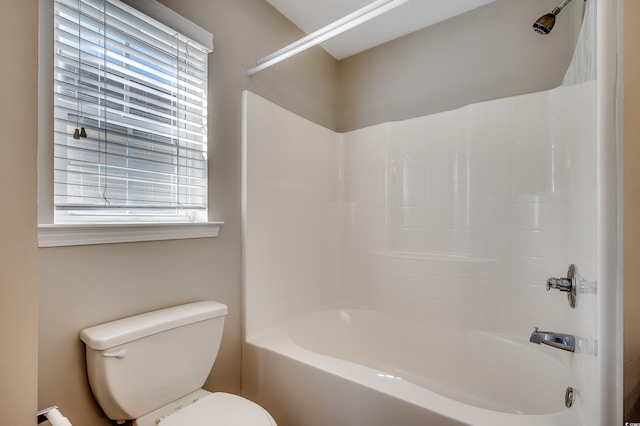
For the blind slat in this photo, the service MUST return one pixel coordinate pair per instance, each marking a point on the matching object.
(137, 151)
(137, 104)
(66, 74)
(115, 118)
(68, 30)
(196, 89)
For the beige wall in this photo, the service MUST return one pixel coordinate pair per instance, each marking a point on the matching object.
(87, 285)
(631, 211)
(82, 286)
(18, 253)
(488, 53)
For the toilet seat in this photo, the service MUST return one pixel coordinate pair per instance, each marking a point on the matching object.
(220, 409)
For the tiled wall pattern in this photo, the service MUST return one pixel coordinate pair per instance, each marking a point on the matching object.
(291, 215)
(458, 217)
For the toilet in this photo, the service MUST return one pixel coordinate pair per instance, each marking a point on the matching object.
(150, 368)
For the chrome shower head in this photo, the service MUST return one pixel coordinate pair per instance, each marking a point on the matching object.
(545, 23)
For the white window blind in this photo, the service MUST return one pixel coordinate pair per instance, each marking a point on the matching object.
(130, 117)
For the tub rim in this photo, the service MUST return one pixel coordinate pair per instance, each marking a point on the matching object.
(277, 340)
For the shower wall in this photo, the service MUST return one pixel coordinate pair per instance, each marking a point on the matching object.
(291, 214)
(461, 216)
(457, 217)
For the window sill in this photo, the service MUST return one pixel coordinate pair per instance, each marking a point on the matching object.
(60, 235)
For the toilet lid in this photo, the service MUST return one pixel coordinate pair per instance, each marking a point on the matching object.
(220, 409)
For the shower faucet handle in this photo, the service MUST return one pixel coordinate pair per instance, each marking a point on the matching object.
(562, 284)
(568, 285)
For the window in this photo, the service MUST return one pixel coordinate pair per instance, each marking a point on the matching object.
(130, 117)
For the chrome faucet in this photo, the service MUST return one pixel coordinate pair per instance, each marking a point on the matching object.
(566, 342)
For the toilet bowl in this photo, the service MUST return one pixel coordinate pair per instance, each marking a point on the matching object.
(150, 368)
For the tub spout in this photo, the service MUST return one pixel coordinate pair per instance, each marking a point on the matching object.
(566, 342)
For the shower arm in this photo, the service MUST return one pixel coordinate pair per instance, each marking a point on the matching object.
(561, 6)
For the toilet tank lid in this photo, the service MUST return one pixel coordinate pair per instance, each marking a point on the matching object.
(114, 333)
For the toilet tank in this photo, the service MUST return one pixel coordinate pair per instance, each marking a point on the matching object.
(141, 363)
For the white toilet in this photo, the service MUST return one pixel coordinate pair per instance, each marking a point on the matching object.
(150, 368)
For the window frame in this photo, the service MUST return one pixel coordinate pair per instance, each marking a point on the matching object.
(51, 234)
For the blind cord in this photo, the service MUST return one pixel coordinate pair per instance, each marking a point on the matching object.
(178, 120)
(79, 132)
(104, 42)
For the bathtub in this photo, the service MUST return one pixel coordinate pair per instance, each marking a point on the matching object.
(354, 366)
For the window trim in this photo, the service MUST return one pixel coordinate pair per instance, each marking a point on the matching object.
(61, 235)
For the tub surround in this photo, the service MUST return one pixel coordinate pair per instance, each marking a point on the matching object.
(458, 217)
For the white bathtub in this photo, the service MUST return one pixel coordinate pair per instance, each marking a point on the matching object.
(352, 366)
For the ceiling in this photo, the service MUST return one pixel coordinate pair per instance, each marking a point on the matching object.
(311, 15)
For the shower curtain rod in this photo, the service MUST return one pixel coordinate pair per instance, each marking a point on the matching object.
(352, 20)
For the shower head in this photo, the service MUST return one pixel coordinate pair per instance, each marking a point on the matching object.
(545, 24)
